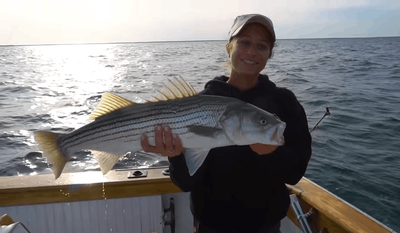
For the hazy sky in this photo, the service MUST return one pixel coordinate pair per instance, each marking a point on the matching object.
(102, 21)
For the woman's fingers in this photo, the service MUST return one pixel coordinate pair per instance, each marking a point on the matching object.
(177, 144)
(145, 145)
(169, 145)
(159, 139)
(166, 143)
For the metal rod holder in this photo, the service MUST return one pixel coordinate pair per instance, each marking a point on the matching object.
(171, 210)
(301, 217)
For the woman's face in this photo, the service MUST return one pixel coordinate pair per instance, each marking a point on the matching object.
(250, 51)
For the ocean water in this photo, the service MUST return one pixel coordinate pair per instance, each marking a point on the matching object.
(356, 149)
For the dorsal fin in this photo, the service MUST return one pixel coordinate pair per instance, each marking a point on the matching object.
(177, 88)
(109, 103)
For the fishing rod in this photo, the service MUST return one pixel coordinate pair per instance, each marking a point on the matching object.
(326, 114)
(294, 202)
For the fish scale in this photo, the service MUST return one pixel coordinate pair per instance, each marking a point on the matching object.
(138, 117)
(206, 116)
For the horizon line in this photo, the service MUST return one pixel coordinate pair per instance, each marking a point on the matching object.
(177, 41)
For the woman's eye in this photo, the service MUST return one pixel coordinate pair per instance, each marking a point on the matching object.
(262, 47)
(245, 42)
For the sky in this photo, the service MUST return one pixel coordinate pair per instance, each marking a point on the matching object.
(109, 21)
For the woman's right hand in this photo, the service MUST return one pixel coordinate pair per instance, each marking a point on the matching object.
(167, 144)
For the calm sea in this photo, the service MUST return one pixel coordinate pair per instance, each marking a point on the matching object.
(356, 150)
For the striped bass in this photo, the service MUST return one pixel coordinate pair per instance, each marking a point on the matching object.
(202, 122)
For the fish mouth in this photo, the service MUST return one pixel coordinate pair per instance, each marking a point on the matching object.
(277, 136)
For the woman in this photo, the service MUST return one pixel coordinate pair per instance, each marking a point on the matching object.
(242, 188)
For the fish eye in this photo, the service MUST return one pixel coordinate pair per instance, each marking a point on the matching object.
(263, 121)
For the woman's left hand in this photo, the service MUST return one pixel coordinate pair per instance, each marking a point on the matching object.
(263, 149)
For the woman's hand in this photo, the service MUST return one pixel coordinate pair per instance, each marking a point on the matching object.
(263, 149)
(167, 144)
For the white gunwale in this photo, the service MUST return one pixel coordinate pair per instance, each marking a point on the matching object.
(334, 214)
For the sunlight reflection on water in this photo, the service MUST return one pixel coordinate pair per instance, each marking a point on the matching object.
(72, 76)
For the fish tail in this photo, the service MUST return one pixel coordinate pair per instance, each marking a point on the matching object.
(48, 143)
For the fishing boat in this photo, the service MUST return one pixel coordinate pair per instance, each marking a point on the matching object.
(146, 201)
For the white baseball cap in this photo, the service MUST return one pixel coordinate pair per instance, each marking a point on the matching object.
(243, 20)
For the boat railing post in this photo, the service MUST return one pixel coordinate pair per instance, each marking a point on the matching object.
(300, 216)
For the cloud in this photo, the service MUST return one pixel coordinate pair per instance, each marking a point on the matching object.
(107, 21)
(346, 22)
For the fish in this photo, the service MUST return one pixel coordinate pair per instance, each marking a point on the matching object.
(202, 122)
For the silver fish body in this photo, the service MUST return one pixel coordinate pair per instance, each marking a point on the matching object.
(120, 131)
(202, 122)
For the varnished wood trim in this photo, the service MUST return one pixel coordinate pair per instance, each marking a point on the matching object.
(334, 213)
(39, 189)
(6, 220)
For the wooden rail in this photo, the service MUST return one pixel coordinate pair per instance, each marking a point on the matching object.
(38, 189)
(333, 213)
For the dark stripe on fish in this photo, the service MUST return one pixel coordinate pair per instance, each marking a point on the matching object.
(151, 113)
(158, 117)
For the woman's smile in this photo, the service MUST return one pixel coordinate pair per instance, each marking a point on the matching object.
(250, 62)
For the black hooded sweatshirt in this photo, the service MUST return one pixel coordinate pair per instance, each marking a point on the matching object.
(236, 189)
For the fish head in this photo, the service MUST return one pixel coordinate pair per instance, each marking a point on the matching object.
(247, 124)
